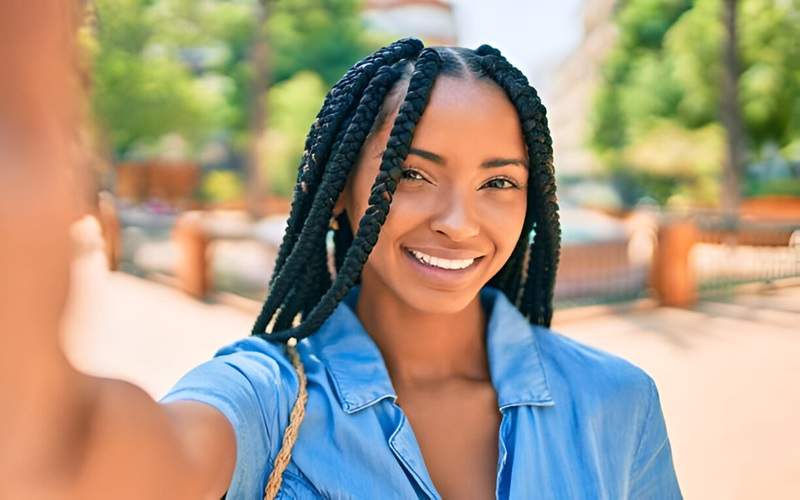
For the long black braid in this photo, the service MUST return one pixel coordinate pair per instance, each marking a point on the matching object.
(303, 293)
(338, 104)
(542, 215)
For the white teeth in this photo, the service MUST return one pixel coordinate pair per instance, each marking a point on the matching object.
(442, 263)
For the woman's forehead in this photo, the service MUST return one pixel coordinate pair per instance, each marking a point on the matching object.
(472, 114)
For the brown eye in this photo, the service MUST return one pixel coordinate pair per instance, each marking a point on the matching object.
(501, 183)
(412, 175)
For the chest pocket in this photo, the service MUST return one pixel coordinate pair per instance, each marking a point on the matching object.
(295, 487)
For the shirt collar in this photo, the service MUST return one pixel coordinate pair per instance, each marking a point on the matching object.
(361, 379)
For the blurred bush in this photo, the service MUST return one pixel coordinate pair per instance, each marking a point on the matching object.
(220, 186)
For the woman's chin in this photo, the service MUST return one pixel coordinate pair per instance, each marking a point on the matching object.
(419, 293)
(432, 301)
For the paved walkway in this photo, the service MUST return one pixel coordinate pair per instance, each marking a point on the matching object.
(726, 371)
(144, 332)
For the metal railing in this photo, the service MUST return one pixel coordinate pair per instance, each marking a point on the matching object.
(600, 273)
(730, 254)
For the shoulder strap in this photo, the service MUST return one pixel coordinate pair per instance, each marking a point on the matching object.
(295, 419)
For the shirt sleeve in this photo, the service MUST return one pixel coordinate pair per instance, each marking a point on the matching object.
(653, 473)
(244, 387)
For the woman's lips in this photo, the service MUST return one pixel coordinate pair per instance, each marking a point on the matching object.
(439, 275)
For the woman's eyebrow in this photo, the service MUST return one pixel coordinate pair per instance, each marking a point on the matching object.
(427, 155)
(501, 162)
(490, 163)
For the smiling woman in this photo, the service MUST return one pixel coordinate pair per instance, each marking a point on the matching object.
(415, 361)
(431, 172)
(483, 111)
(458, 211)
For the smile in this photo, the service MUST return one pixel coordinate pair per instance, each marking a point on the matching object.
(441, 263)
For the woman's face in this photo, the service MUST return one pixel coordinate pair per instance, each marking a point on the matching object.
(458, 211)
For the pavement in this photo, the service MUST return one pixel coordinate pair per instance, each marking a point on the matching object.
(726, 370)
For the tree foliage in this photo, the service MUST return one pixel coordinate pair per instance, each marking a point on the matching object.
(293, 104)
(142, 89)
(323, 36)
(183, 66)
(312, 44)
(663, 77)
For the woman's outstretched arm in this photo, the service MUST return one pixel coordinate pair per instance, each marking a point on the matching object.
(88, 437)
(64, 434)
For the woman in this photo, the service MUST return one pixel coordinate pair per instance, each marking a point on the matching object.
(431, 316)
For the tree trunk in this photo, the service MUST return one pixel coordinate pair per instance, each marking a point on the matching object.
(259, 62)
(731, 116)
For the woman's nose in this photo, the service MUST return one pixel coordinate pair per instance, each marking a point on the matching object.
(456, 217)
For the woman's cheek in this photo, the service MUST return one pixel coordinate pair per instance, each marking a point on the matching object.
(508, 209)
(411, 205)
(503, 220)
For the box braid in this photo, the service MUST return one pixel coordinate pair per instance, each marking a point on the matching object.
(333, 178)
(542, 214)
(344, 156)
(303, 293)
(311, 240)
(338, 104)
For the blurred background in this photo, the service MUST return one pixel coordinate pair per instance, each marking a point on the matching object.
(676, 128)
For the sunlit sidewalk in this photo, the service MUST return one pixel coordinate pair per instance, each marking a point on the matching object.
(150, 334)
(727, 372)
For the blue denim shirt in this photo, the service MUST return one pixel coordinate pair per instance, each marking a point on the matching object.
(577, 422)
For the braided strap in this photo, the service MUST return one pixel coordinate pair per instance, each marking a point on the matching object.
(295, 419)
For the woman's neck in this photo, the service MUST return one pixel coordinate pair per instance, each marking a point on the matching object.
(420, 347)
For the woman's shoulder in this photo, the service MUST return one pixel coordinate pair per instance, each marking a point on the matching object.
(614, 406)
(265, 365)
(254, 353)
(252, 382)
(248, 373)
(590, 372)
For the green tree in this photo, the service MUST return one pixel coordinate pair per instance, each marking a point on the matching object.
(312, 44)
(187, 66)
(323, 36)
(293, 104)
(630, 69)
(664, 76)
(140, 90)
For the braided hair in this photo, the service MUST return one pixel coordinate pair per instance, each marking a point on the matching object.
(304, 289)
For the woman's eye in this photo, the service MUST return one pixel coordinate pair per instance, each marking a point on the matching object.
(501, 183)
(412, 175)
